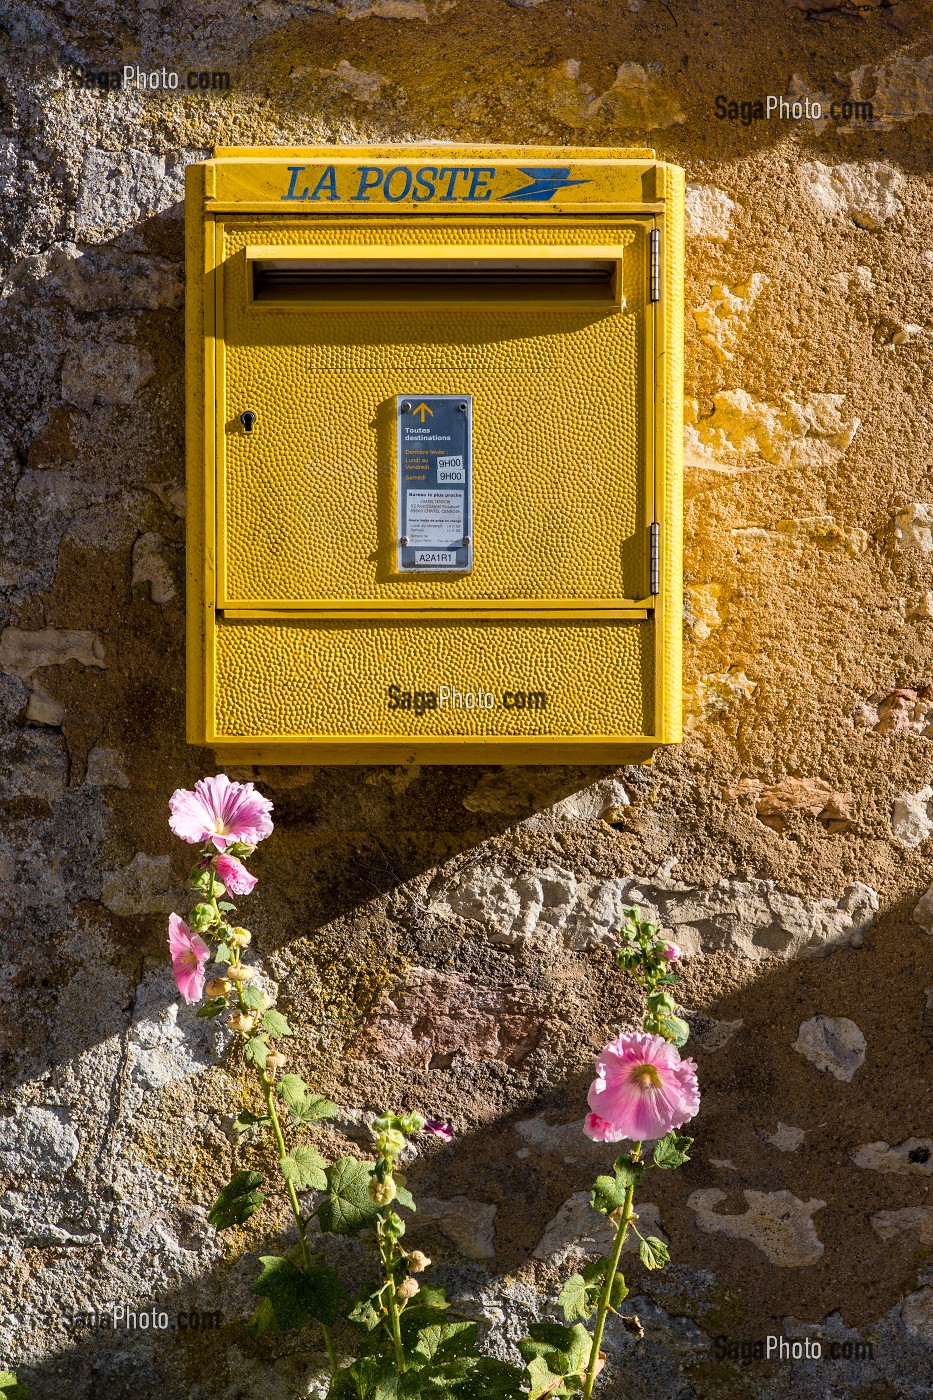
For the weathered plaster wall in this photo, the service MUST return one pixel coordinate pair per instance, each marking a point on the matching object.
(442, 935)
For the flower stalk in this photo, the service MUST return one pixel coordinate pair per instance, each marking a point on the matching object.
(603, 1308)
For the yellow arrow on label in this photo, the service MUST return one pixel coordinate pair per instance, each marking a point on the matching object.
(424, 410)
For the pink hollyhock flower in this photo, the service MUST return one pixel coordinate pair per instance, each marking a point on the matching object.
(234, 874)
(220, 811)
(438, 1129)
(189, 954)
(642, 1090)
(672, 952)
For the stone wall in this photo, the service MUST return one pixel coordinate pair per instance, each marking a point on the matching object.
(444, 935)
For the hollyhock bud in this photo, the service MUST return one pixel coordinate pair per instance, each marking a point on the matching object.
(275, 1060)
(383, 1193)
(239, 938)
(234, 874)
(202, 916)
(218, 987)
(241, 1022)
(242, 973)
(672, 952)
(417, 1261)
(408, 1288)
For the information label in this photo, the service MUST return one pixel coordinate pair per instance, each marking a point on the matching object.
(435, 483)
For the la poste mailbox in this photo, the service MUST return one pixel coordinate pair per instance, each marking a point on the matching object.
(435, 454)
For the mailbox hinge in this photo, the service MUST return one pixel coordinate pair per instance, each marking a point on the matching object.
(654, 559)
(654, 267)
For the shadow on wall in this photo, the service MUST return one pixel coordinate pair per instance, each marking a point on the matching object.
(822, 1176)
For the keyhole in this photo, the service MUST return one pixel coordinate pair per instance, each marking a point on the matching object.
(248, 419)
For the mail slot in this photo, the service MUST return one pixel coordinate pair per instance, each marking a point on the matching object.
(434, 455)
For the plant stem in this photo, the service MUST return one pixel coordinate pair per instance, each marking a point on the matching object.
(267, 1090)
(386, 1248)
(603, 1308)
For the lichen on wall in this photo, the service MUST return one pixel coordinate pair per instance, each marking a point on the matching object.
(443, 936)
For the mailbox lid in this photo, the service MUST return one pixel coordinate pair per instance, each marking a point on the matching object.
(563, 484)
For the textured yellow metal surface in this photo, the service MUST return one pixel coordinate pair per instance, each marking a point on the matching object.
(594, 677)
(300, 630)
(563, 390)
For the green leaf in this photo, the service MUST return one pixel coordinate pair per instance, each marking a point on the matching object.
(347, 1208)
(262, 1319)
(403, 1197)
(491, 1379)
(368, 1310)
(247, 1119)
(225, 905)
(653, 1253)
(671, 1151)
(223, 954)
(212, 1008)
(675, 1030)
(556, 1356)
(609, 1192)
(252, 998)
(293, 1089)
(256, 1050)
(577, 1298)
(299, 1295)
(274, 1023)
(370, 1378)
(304, 1168)
(314, 1109)
(618, 1292)
(238, 1200)
(446, 1340)
(10, 1389)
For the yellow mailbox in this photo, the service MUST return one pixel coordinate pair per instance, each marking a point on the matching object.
(434, 454)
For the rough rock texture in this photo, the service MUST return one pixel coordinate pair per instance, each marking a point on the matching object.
(776, 1222)
(442, 938)
(832, 1043)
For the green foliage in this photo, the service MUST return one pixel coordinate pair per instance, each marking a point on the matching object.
(274, 1023)
(212, 1008)
(238, 1200)
(556, 1358)
(257, 1050)
(676, 1030)
(671, 1151)
(296, 1295)
(369, 1378)
(609, 1192)
(653, 1253)
(246, 1119)
(10, 1389)
(292, 1089)
(347, 1206)
(252, 998)
(223, 954)
(314, 1109)
(580, 1295)
(305, 1169)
